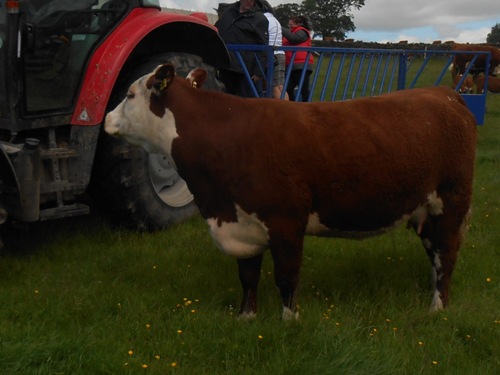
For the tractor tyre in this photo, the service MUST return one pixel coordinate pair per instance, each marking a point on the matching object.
(134, 188)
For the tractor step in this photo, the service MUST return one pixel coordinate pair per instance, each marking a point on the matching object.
(69, 210)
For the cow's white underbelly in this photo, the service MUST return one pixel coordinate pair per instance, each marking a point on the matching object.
(245, 238)
(433, 207)
(249, 236)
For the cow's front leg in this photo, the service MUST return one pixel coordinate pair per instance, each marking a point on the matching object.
(249, 271)
(287, 257)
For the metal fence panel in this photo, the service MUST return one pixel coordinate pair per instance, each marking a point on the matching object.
(348, 73)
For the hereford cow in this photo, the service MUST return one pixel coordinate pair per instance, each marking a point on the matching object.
(461, 60)
(265, 172)
(493, 84)
(467, 85)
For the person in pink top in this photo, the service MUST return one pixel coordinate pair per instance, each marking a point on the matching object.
(298, 34)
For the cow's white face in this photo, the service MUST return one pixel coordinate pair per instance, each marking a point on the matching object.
(496, 71)
(134, 121)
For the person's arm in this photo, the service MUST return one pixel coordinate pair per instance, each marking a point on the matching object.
(295, 38)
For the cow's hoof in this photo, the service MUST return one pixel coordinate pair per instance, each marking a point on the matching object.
(437, 303)
(247, 316)
(289, 315)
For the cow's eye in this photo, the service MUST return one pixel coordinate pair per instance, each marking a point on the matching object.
(130, 95)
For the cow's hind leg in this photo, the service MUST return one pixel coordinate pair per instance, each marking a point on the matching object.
(249, 272)
(441, 236)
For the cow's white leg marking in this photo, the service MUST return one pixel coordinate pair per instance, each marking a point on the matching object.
(437, 264)
(437, 302)
(246, 237)
(247, 316)
(428, 246)
(289, 314)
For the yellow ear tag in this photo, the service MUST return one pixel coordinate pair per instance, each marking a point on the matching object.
(194, 84)
(163, 84)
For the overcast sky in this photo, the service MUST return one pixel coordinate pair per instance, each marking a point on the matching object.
(395, 20)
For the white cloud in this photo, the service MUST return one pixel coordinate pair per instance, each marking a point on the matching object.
(417, 20)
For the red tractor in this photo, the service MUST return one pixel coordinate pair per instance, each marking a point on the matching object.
(65, 64)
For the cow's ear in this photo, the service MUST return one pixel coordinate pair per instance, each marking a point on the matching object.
(162, 78)
(197, 77)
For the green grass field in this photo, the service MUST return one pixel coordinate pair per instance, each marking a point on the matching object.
(79, 297)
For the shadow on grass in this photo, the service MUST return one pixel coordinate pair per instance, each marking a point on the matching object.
(26, 239)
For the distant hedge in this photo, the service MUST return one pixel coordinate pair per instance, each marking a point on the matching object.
(406, 46)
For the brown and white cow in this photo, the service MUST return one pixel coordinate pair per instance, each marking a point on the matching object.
(264, 173)
(493, 84)
(467, 86)
(461, 60)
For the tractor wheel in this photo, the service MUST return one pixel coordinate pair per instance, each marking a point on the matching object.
(137, 188)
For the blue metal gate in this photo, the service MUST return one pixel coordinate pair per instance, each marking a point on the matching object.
(347, 73)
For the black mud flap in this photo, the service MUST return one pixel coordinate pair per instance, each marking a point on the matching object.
(9, 182)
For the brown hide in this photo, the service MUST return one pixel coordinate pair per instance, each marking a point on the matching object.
(362, 164)
(461, 59)
(493, 84)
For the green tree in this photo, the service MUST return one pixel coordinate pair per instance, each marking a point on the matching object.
(494, 36)
(329, 18)
(283, 12)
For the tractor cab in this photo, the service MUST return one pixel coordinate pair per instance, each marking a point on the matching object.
(45, 46)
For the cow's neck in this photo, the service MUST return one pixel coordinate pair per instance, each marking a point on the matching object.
(201, 113)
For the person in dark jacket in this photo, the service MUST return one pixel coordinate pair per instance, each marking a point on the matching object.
(243, 23)
(298, 34)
